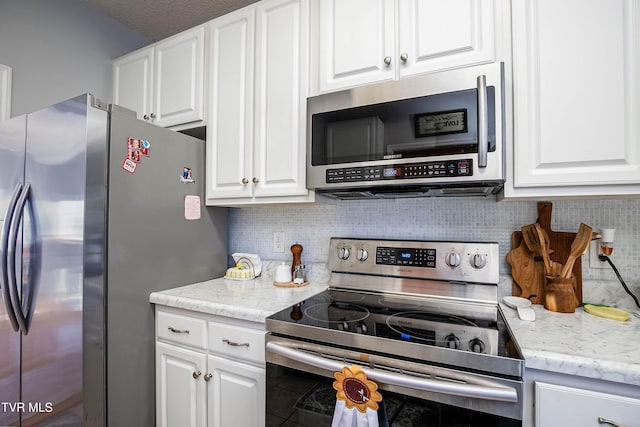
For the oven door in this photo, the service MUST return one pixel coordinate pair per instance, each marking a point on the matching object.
(300, 392)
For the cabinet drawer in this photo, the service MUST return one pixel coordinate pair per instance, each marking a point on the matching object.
(181, 329)
(237, 342)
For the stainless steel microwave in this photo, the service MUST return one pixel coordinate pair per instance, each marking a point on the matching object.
(439, 134)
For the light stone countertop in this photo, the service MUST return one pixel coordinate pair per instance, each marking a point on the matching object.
(252, 300)
(575, 344)
(580, 343)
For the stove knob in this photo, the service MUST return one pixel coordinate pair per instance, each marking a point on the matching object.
(362, 327)
(452, 341)
(452, 259)
(476, 345)
(478, 261)
(343, 325)
(344, 253)
(362, 254)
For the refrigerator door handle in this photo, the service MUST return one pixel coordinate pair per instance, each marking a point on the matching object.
(4, 257)
(12, 255)
(34, 263)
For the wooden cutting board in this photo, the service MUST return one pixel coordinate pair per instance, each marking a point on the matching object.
(560, 242)
(526, 271)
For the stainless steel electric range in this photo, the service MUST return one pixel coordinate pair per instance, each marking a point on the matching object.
(421, 318)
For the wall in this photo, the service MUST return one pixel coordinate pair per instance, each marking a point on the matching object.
(437, 219)
(60, 49)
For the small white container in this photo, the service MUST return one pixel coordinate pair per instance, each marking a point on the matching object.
(283, 273)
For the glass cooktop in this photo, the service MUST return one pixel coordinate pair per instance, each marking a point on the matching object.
(451, 325)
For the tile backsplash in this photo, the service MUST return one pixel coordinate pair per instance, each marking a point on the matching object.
(251, 229)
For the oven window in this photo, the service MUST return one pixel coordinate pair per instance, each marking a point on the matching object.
(296, 398)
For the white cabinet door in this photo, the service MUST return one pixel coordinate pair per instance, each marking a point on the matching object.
(356, 42)
(437, 35)
(567, 406)
(180, 387)
(179, 79)
(364, 41)
(236, 394)
(229, 133)
(133, 81)
(576, 98)
(281, 89)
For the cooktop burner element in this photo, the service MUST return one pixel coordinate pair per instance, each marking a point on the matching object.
(336, 312)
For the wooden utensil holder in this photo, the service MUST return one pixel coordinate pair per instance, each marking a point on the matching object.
(560, 295)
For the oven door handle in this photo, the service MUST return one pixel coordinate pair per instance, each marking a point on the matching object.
(457, 388)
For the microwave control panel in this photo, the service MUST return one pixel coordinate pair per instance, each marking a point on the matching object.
(445, 168)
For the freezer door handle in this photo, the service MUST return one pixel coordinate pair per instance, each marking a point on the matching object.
(4, 256)
(23, 310)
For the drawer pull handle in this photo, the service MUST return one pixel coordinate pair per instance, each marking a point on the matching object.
(610, 422)
(178, 331)
(208, 376)
(235, 344)
(196, 374)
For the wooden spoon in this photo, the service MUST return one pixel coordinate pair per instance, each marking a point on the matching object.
(578, 247)
(534, 239)
(544, 249)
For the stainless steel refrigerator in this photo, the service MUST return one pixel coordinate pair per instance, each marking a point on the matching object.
(97, 210)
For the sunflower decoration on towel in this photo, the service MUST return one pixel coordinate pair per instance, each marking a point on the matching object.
(355, 389)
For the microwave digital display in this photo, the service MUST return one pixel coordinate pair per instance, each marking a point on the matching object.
(440, 123)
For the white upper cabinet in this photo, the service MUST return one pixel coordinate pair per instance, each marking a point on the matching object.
(164, 83)
(281, 89)
(576, 98)
(256, 136)
(357, 42)
(435, 35)
(230, 123)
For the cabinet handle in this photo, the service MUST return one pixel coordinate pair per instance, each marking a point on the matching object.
(610, 422)
(152, 115)
(235, 344)
(245, 181)
(404, 57)
(208, 376)
(255, 180)
(196, 374)
(387, 60)
(178, 331)
(146, 117)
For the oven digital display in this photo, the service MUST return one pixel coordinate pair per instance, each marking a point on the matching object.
(414, 257)
(391, 172)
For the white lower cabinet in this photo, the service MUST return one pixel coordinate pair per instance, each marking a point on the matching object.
(558, 405)
(180, 391)
(236, 394)
(210, 370)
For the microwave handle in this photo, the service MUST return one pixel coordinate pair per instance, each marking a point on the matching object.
(483, 122)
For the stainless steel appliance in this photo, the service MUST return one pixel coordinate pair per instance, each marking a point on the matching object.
(97, 210)
(420, 317)
(439, 134)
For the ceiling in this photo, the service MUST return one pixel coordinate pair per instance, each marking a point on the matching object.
(159, 19)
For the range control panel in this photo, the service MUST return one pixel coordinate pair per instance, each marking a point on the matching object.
(476, 262)
(418, 257)
(445, 168)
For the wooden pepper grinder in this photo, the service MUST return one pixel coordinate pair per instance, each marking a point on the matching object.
(296, 250)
